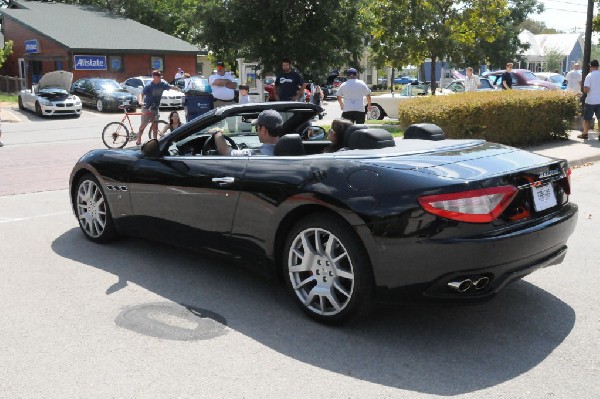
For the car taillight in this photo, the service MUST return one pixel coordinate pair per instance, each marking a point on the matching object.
(474, 206)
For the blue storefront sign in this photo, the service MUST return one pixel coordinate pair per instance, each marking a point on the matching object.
(32, 46)
(90, 62)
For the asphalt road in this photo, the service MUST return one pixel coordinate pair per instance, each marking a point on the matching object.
(136, 319)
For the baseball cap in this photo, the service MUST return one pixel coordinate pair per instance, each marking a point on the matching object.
(220, 64)
(594, 63)
(351, 71)
(269, 118)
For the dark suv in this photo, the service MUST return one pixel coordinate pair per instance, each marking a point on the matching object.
(103, 94)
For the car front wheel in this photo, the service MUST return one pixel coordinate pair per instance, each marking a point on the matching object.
(38, 110)
(327, 269)
(20, 102)
(92, 211)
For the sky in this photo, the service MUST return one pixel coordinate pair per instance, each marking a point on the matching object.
(564, 15)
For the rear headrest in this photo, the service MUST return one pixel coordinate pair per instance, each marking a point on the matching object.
(289, 145)
(368, 139)
(424, 131)
(350, 130)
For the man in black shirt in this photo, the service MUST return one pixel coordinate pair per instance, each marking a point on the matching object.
(507, 77)
(289, 85)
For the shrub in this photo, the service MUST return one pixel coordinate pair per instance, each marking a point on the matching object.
(512, 117)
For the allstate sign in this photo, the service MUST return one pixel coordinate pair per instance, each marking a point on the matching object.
(32, 46)
(90, 62)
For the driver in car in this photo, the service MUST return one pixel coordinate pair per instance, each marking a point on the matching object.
(268, 127)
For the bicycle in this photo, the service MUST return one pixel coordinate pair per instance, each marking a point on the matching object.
(116, 134)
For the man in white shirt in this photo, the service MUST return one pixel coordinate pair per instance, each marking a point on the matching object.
(350, 97)
(472, 82)
(223, 86)
(591, 86)
(179, 73)
(574, 79)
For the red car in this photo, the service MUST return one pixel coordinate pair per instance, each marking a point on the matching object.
(523, 79)
(269, 85)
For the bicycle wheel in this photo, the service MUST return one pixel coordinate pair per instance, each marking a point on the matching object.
(115, 135)
(161, 125)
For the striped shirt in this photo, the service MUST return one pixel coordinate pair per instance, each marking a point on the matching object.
(471, 83)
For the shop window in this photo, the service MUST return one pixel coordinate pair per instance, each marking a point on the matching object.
(115, 63)
(157, 62)
(58, 65)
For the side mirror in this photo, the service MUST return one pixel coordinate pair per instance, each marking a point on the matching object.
(151, 149)
(314, 133)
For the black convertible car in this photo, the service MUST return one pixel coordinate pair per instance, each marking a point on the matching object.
(385, 219)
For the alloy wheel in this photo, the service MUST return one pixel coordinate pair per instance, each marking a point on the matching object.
(91, 209)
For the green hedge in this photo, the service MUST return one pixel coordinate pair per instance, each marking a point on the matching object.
(512, 117)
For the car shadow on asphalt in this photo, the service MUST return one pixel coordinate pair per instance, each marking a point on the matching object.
(433, 349)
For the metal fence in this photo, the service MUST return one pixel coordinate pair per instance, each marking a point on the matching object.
(11, 84)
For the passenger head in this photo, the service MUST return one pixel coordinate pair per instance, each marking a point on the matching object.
(174, 119)
(336, 134)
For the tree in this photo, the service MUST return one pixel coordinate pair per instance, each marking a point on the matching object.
(536, 27)
(407, 31)
(316, 35)
(6, 51)
(554, 60)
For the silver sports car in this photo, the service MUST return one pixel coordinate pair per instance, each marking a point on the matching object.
(51, 96)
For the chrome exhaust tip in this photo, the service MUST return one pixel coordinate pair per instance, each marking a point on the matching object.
(460, 286)
(481, 283)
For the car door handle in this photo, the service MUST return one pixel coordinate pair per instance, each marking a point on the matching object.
(223, 181)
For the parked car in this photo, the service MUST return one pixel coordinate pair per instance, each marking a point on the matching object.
(387, 219)
(458, 86)
(50, 96)
(103, 94)
(269, 86)
(523, 79)
(556, 78)
(387, 104)
(329, 92)
(197, 84)
(169, 99)
(404, 80)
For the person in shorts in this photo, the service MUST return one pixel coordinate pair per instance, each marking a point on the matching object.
(152, 94)
(351, 95)
(591, 87)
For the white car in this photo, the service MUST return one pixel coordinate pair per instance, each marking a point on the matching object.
(170, 98)
(387, 104)
(51, 96)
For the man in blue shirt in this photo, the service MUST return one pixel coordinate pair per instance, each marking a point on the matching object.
(152, 93)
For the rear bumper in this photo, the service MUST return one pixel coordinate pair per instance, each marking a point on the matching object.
(423, 268)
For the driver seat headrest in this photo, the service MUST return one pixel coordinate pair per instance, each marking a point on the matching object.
(289, 145)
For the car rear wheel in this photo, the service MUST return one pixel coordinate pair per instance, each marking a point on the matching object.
(38, 109)
(100, 105)
(327, 269)
(20, 102)
(92, 211)
(376, 112)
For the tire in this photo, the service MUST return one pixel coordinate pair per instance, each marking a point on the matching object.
(100, 105)
(161, 125)
(20, 102)
(38, 110)
(336, 283)
(376, 112)
(115, 135)
(92, 210)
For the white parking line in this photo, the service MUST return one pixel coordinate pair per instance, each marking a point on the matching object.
(20, 219)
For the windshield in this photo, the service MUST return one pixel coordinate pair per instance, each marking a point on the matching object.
(530, 76)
